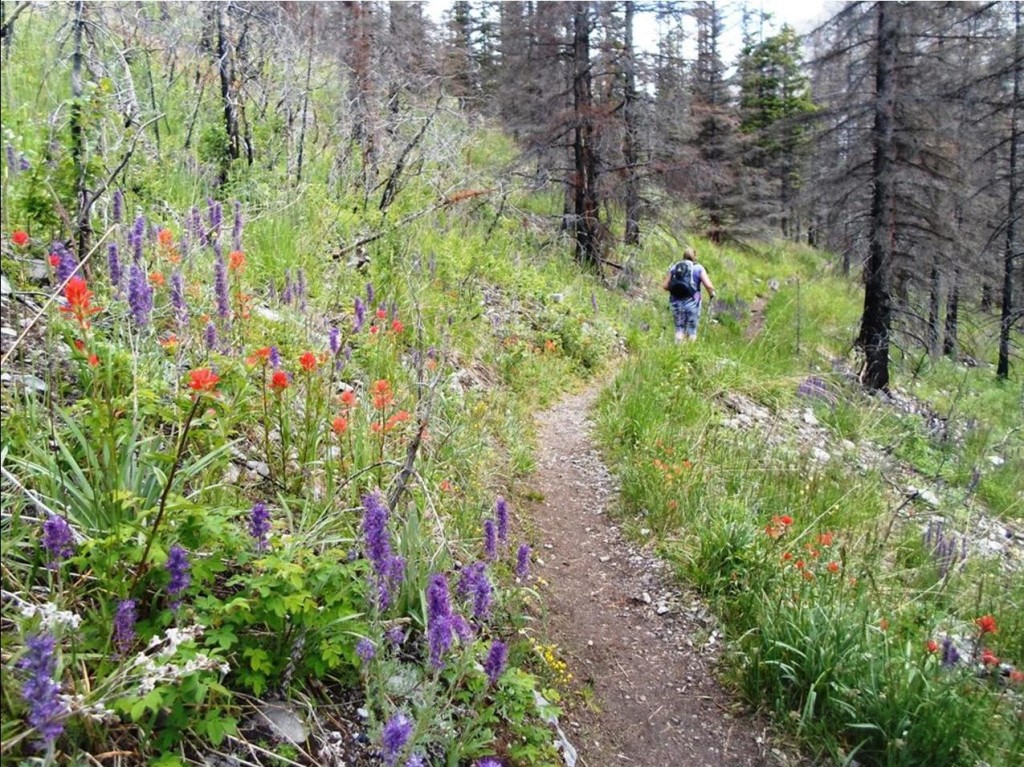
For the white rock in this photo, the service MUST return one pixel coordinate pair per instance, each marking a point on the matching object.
(646, 598)
(848, 446)
(996, 460)
(5, 286)
(267, 314)
(284, 721)
(820, 455)
(809, 418)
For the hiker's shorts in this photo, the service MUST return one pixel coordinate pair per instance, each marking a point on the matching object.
(686, 313)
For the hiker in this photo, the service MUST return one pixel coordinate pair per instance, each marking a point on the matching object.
(683, 283)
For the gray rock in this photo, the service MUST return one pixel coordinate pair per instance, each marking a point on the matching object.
(5, 286)
(29, 381)
(284, 721)
(38, 272)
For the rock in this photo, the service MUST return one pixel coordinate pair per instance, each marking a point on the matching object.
(809, 418)
(848, 446)
(284, 721)
(820, 455)
(773, 285)
(996, 460)
(29, 381)
(267, 314)
(925, 495)
(38, 271)
(5, 286)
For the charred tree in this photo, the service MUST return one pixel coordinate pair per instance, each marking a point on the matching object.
(1006, 320)
(630, 149)
(584, 186)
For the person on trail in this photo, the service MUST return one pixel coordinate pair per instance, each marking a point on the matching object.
(683, 283)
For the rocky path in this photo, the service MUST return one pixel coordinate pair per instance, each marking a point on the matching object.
(642, 652)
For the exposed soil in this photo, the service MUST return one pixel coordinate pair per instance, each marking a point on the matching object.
(642, 651)
(756, 321)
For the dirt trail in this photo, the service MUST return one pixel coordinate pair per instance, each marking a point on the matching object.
(646, 649)
(756, 321)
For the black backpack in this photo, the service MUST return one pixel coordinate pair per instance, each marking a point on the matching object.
(682, 281)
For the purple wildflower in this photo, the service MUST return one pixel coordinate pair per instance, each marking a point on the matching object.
(523, 562)
(114, 266)
(360, 317)
(58, 539)
(259, 524)
(501, 515)
(23, 163)
(301, 289)
(124, 625)
(482, 597)
(178, 568)
(394, 736)
(489, 761)
(439, 619)
(468, 578)
(950, 655)
(490, 539)
(41, 691)
(275, 357)
(178, 298)
(140, 295)
(137, 238)
(236, 231)
(334, 341)
(66, 262)
(210, 336)
(286, 290)
(12, 160)
(369, 294)
(396, 636)
(347, 351)
(118, 206)
(462, 628)
(184, 244)
(387, 568)
(216, 217)
(220, 288)
(416, 760)
(593, 301)
(195, 223)
(365, 650)
(217, 252)
(495, 663)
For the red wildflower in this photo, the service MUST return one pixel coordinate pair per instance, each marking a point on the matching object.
(932, 646)
(987, 624)
(79, 344)
(165, 237)
(799, 564)
(785, 519)
(54, 260)
(397, 326)
(382, 394)
(550, 346)
(260, 356)
(786, 556)
(376, 426)
(884, 624)
(94, 361)
(989, 658)
(396, 419)
(19, 238)
(446, 486)
(170, 343)
(279, 381)
(348, 398)
(374, 330)
(833, 567)
(79, 299)
(825, 539)
(156, 279)
(203, 380)
(308, 362)
(236, 260)
(381, 314)
(1017, 676)
(339, 425)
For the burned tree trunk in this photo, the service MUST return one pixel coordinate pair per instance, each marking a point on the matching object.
(585, 178)
(1012, 209)
(629, 149)
(225, 68)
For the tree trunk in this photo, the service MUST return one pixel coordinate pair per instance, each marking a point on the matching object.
(934, 301)
(877, 316)
(225, 68)
(1012, 211)
(629, 149)
(950, 344)
(305, 95)
(585, 181)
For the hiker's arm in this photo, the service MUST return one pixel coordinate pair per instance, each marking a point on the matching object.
(706, 282)
(664, 285)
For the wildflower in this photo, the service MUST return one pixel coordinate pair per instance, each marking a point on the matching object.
(369, 293)
(165, 237)
(259, 356)
(178, 298)
(124, 625)
(988, 658)
(41, 691)
(308, 362)
(140, 295)
(117, 206)
(114, 265)
(883, 624)
(93, 361)
(274, 357)
(394, 736)
(156, 279)
(19, 238)
(382, 313)
(787, 555)
(300, 288)
(439, 619)
(259, 524)
(360, 316)
(396, 636)
(523, 562)
(136, 238)
(501, 515)
(79, 299)
(931, 646)
(987, 625)
(365, 650)
(170, 343)
(220, 289)
(416, 760)
(12, 160)
(203, 380)
(58, 539)
(833, 567)
(382, 394)
(495, 663)
(487, 762)
(397, 327)
(786, 520)
(1017, 676)
(178, 568)
(348, 398)
(950, 655)
(387, 567)
(825, 539)
(334, 341)
(236, 260)
(339, 425)
(445, 485)
(279, 381)
(490, 539)
(210, 336)
(63, 261)
(216, 216)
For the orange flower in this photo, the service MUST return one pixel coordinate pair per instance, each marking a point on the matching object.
(397, 326)
(165, 237)
(376, 427)
(308, 362)
(550, 346)
(236, 260)
(279, 381)
(786, 519)
(987, 624)
(833, 567)
(787, 556)
(339, 425)
(772, 531)
(396, 419)
(260, 356)
(170, 343)
(156, 279)
(445, 486)
(79, 299)
(799, 564)
(825, 539)
(1017, 676)
(94, 361)
(989, 658)
(203, 380)
(381, 314)
(19, 238)
(382, 394)
(348, 398)
(932, 646)
(79, 344)
(884, 624)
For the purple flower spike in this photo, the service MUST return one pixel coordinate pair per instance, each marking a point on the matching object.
(360, 316)
(494, 666)
(118, 206)
(365, 650)
(523, 562)
(416, 760)
(490, 539)
(388, 570)
(12, 160)
(140, 295)
(439, 619)
(178, 568)
(58, 539)
(178, 298)
(259, 524)
(369, 294)
(396, 636)
(395, 736)
(210, 336)
(66, 262)
(482, 597)
(334, 341)
(275, 357)
(236, 231)
(220, 288)
(124, 626)
(42, 692)
(216, 216)
(137, 238)
(501, 514)
(114, 266)
(950, 655)
(489, 761)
